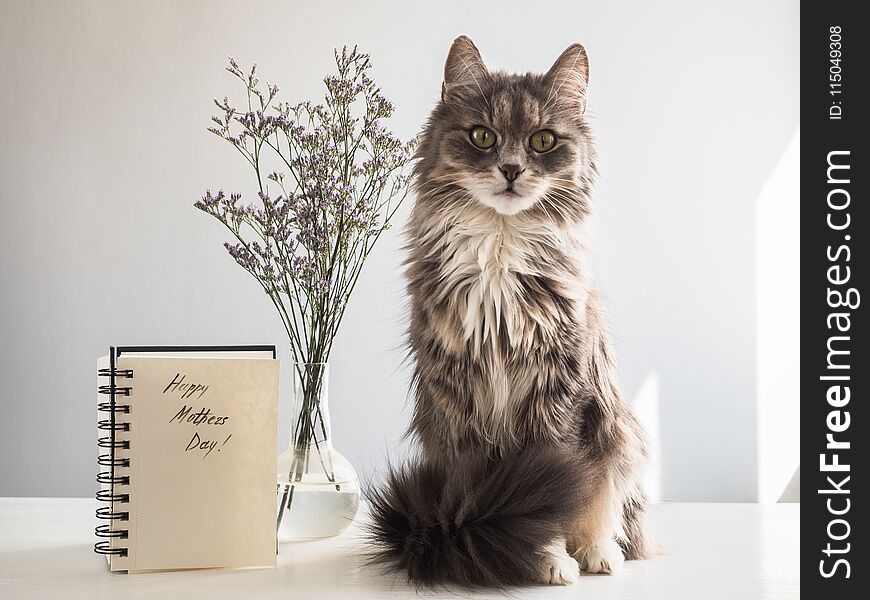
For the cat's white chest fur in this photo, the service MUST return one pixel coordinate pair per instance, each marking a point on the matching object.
(484, 258)
(482, 271)
(484, 262)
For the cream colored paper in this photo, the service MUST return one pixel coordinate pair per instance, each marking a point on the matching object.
(202, 488)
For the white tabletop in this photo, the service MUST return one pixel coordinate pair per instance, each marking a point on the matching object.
(713, 551)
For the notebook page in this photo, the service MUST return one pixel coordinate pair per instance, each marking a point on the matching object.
(202, 471)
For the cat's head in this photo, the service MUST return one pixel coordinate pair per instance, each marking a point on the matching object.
(509, 142)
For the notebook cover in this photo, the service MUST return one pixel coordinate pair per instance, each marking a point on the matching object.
(202, 453)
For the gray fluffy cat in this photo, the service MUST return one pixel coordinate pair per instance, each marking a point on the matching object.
(530, 458)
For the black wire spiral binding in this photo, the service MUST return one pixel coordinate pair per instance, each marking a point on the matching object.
(111, 477)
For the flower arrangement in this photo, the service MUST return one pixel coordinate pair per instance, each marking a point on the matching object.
(330, 178)
(307, 239)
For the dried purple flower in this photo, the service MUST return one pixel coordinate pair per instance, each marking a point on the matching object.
(341, 181)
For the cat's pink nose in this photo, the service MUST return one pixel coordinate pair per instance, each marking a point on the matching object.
(511, 172)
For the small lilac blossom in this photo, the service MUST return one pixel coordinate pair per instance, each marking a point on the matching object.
(330, 178)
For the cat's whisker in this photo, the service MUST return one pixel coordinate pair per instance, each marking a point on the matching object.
(547, 214)
(436, 190)
(453, 182)
(560, 203)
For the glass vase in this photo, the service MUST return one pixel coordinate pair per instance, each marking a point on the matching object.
(318, 489)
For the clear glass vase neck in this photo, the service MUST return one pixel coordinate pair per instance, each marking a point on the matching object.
(309, 407)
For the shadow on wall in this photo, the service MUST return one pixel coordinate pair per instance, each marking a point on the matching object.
(772, 419)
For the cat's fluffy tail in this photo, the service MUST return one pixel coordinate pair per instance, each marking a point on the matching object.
(475, 521)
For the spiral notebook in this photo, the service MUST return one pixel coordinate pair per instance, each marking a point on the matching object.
(187, 457)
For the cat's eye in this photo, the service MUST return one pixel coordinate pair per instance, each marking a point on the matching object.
(543, 140)
(482, 137)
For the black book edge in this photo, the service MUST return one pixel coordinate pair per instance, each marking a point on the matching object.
(243, 348)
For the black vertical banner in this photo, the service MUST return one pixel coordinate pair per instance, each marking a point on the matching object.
(835, 373)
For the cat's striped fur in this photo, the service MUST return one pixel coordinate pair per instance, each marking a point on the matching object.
(512, 369)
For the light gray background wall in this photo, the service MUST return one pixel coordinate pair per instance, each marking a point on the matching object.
(103, 150)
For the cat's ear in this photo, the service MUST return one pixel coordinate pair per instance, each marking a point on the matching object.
(464, 67)
(568, 78)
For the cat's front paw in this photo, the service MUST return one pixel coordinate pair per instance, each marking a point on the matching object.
(602, 557)
(559, 568)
